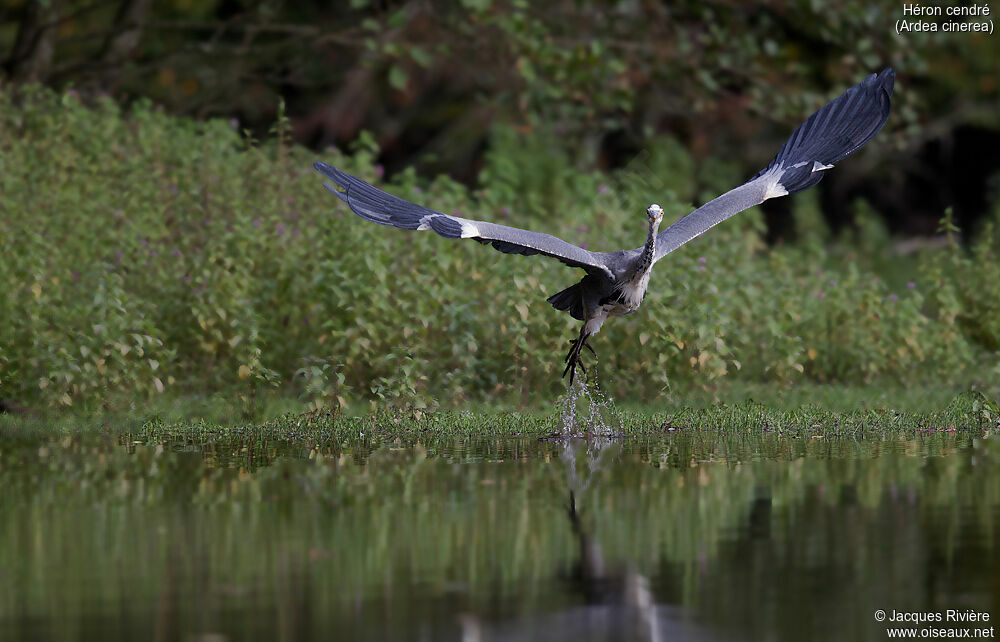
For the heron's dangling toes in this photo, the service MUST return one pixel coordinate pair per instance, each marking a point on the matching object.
(573, 356)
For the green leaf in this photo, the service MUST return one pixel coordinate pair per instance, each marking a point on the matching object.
(476, 5)
(420, 56)
(527, 69)
(397, 19)
(397, 78)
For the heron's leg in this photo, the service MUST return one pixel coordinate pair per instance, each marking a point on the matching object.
(575, 345)
(573, 356)
(572, 361)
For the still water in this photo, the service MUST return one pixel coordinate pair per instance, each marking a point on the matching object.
(691, 535)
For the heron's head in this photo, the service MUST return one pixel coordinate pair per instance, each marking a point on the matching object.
(655, 213)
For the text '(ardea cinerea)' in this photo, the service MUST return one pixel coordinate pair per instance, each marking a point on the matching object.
(616, 282)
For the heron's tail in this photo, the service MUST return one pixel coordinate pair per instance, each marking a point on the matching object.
(569, 300)
(838, 129)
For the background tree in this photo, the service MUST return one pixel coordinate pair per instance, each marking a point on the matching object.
(602, 78)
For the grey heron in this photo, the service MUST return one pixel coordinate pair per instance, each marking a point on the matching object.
(615, 282)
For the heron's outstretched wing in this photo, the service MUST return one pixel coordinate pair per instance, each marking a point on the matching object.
(841, 127)
(372, 204)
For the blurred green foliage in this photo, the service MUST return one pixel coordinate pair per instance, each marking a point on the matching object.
(145, 255)
(428, 77)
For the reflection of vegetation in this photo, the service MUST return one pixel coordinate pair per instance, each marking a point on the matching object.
(92, 529)
(167, 256)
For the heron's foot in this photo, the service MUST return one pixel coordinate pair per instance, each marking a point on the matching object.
(573, 357)
(576, 349)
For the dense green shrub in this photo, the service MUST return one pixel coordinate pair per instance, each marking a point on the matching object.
(144, 254)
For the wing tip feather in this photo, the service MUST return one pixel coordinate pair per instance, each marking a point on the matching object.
(833, 132)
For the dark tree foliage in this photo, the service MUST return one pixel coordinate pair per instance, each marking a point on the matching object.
(601, 76)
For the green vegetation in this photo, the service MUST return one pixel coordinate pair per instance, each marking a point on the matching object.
(830, 413)
(427, 78)
(151, 257)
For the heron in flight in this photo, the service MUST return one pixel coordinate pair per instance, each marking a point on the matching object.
(615, 282)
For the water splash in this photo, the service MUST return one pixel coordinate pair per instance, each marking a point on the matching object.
(585, 411)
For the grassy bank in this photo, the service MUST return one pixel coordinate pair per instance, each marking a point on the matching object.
(900, 416)
(147, 258)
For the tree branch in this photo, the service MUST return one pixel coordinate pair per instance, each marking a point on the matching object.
(127, 31)
(31, 57)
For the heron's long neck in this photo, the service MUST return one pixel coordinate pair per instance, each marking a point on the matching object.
(646, 260)
(633, 286)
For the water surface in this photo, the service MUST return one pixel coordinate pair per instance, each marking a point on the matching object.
(695, 535)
